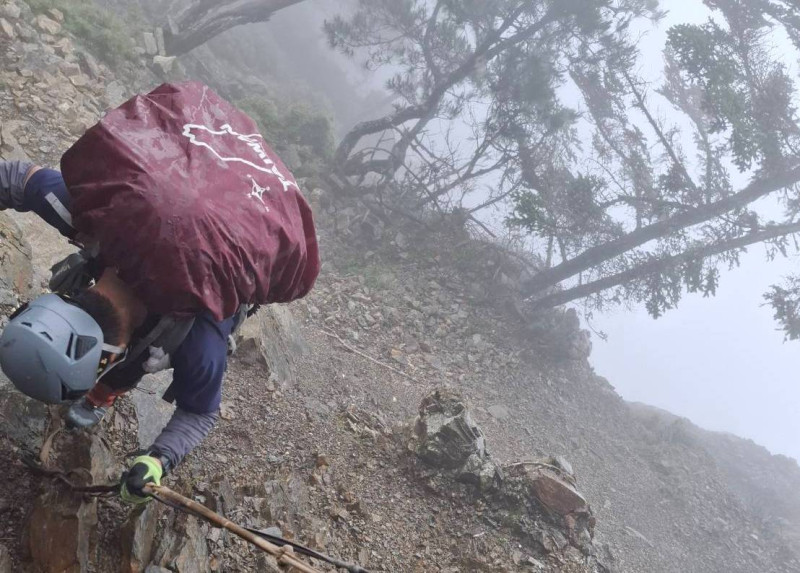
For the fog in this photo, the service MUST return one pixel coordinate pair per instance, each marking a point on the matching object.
(720, 361)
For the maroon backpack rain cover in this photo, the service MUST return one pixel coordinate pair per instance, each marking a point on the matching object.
(191, 205)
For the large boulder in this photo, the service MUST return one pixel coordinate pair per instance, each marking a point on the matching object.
(552, 487)
(445, 436)
(272, 338)
(446, 433)
(547, 489)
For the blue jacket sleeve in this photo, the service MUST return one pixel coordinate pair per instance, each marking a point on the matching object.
(45, 194)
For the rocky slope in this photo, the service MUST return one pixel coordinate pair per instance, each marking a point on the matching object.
(763, 482)
(318, 443)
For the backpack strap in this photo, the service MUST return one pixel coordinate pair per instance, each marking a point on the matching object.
(244, 312)
(168, 334)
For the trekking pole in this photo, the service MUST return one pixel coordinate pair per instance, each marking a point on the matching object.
(284, 555)
(281, 549)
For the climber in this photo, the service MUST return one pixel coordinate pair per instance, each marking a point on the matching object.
(96, 336)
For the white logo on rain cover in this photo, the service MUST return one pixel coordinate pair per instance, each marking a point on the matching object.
(259, 159)
(257, 192)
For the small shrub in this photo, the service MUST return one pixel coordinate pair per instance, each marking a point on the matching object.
(301, 136)
(107, 34)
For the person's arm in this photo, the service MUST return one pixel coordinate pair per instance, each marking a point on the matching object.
(184, 432)
(199, 367)
(27, 187)
(13, 176)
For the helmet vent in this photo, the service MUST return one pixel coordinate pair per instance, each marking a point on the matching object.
(69, 345)
(47, 336)
(28, 324)
(83, 345)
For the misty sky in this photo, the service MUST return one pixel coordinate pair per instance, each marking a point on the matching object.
(719, 361)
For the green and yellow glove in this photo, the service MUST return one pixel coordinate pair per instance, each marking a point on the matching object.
(145, 469)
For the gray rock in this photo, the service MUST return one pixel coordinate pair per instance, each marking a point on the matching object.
(46, 25)
(480, 472)
(182, 546)
(401, 241)
(561, 462)
(71, 70)
(286, 502)
(5, 560)
(272, 338)
(499, 412)
(21, 419)
(89, 65)
(164, 64)
(10, 10)
(267, 564)
(116, 94)
(150, 45)
(16, 270)
(27, 33)
(56, 15)
(152, 413)
(274, 531)
(7, 29)
(138, 535)
(159, 35)
(446, 435)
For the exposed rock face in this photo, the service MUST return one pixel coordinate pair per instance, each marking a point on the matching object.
(5, 560)
(62, 531)
(182, 546)
(138, 535)
(16, 271)
(272, 338)
(21, 418)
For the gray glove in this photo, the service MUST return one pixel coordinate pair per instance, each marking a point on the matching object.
(158, 360)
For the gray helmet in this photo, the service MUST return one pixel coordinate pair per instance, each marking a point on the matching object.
(51, 350)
